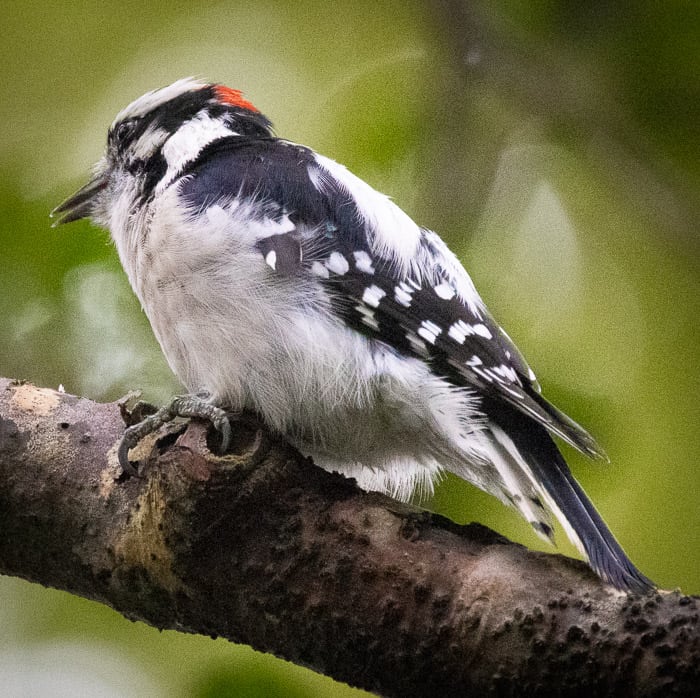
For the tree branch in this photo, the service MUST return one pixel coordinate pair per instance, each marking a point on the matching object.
(264, 548)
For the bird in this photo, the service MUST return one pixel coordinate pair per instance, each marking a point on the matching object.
(277, 281)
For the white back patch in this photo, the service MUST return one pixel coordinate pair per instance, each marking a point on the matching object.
(393, 235)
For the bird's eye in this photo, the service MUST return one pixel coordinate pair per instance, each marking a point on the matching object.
(123, 132)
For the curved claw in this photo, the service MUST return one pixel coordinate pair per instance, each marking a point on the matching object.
(136, 432)
(125, 445)
(180, 406)
(223, 426)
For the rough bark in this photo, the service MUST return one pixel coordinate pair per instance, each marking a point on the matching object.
(264, 548)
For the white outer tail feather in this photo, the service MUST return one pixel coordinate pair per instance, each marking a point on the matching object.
(513, 471)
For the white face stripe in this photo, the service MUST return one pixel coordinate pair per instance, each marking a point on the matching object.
(187, 142)
(148, 142)
(155, 98)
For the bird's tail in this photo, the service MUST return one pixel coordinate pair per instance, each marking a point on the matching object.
(528, 450)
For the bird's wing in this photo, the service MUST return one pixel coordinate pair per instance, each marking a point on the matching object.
(386, 277)
(427, 317)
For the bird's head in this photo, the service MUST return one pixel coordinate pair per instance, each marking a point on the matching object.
(153, 140)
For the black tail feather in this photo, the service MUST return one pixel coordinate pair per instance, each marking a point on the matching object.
(604, 553)
(568, 500)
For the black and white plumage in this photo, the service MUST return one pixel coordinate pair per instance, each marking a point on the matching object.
(275, 280)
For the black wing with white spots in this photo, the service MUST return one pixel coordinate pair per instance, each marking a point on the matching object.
(423, 317)
(427, 320)
(430, 320)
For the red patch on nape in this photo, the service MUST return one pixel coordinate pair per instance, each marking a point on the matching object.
(232, 97)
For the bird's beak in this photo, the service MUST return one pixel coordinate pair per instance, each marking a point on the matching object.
(82, 203)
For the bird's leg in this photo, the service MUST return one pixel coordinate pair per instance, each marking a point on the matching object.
(180, 406)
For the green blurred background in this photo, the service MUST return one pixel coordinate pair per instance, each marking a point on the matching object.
(555, 145)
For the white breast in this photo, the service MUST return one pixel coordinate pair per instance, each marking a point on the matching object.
(231, 326)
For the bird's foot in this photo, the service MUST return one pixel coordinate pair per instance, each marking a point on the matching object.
(187, 406)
